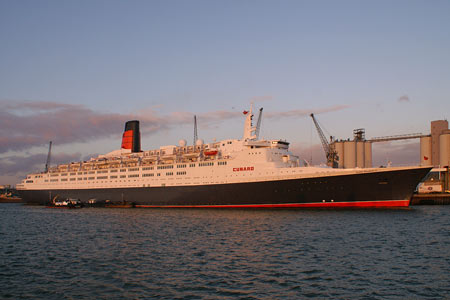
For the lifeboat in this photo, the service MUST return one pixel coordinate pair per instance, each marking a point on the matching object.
(210, 152)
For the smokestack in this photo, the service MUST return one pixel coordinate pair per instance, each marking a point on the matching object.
(131, 138)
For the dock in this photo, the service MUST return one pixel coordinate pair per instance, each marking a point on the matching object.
(431, 199)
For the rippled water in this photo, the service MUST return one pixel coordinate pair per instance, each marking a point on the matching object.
(101, 253)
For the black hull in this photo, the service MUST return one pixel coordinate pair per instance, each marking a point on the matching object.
(386, 188)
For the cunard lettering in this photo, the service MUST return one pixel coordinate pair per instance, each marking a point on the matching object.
(243, 169)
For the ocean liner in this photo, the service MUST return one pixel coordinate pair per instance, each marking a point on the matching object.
(238, 173)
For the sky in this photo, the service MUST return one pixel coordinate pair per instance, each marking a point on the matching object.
(74, 72)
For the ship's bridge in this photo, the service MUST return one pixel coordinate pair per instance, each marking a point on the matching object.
(279, 144)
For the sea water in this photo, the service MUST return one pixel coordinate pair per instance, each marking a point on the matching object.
(111, 253)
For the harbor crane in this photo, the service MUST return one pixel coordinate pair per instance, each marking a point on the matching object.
(258, 124)
(330, 151)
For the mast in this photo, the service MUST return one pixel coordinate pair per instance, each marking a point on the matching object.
(195, 130)
(47, 165)
(249, 130)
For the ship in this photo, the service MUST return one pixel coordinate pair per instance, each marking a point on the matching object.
(250, 172)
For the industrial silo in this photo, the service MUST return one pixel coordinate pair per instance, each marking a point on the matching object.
(444, 150)
(339, 147)
(349, 154)
(425, 151)
(368, 154)
(360, 157)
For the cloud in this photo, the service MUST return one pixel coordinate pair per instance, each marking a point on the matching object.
(26, 124)
(403, 98)
(15, 164)
(304, 112)
(33, 105)
(15, 167)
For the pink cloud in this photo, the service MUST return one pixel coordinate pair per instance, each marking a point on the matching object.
(403, 98)
(26, 124)
(15, 164)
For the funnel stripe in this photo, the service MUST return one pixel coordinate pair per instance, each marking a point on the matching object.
(127, 139)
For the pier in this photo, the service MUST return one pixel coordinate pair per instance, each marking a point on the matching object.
(431, 199)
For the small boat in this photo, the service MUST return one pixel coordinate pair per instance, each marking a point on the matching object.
(7, 196)
(69, 203)
(94, 202)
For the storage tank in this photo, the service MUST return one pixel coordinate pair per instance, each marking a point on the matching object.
(339, 146)
(444, 150)
(349, 154)
(360, 154)
(425, 151)
(368, 155)
(437, 128)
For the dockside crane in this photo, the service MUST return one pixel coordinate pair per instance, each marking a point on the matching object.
(258, 124)
(330, 151)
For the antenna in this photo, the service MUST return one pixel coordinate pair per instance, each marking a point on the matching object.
(258, 123)
(195, 130)
(47, 165)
